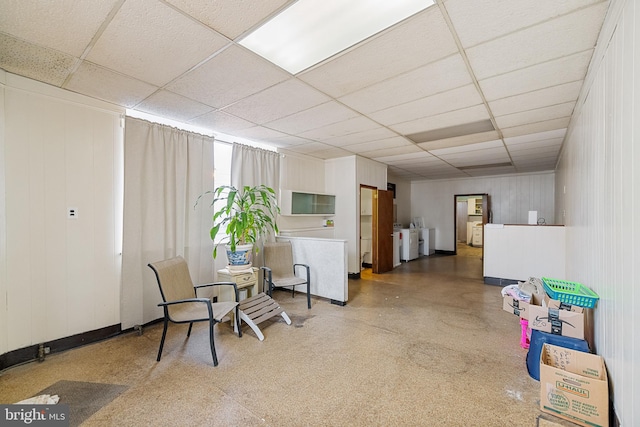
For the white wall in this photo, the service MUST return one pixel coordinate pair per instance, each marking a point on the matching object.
(60, 276)
(343, 178)
(402, 201)
(599, 170)
(511, 198)
(301, 173)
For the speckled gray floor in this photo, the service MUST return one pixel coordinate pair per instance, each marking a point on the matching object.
(425, 345)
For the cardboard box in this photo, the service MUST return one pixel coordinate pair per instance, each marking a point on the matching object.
(556, 321)
(515, 306)
(554, 303)
(573, 386)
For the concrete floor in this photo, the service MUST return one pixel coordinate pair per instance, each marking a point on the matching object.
(425, 345)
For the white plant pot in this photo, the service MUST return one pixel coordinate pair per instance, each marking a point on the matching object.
(241, 258)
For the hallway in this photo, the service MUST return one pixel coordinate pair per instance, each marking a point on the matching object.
(427, 344)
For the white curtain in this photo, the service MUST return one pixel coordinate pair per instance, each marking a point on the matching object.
(254, 166)
(166, 169)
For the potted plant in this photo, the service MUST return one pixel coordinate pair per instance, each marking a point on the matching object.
(244, 216)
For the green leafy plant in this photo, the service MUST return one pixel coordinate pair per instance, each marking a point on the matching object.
(246, 215)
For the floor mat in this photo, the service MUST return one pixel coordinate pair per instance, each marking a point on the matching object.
(84, 399)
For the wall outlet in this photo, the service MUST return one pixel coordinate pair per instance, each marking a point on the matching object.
(72, 213)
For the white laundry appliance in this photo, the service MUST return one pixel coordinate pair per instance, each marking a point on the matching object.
(409, 244)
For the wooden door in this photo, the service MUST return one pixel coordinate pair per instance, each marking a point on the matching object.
(382, 239)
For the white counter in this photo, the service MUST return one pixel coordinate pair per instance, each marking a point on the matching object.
(517, 252)
(327, 260)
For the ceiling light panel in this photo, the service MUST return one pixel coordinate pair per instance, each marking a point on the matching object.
(309, 31)
(452, 131)
(462, 117)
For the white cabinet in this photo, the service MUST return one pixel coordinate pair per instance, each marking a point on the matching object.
(304, 203)
(474, 206)
(477, 236)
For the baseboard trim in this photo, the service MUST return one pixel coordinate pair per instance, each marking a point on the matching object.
(498, 281)
(37, 351)
(443, 252)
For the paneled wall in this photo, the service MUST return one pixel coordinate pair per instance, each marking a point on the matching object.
(511, 198)
(60, 276)
(598, 188)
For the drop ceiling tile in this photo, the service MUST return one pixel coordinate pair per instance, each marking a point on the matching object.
(473, 158)
(221, 122)
(535, 116)
(377, 154)
(309, 148)
(172, 106)
(331, 153)
(533, 137)
(259, 134)
(537, 99)
(459, 140)
(418, 155)
(452, 118)
(35, 62)
(289, 141)
(561, 123)
(535, 152)
(489, 19)
(230, 76)
(313, 118)
(230, 17)
(550, 40)
(281, 100)
(368, 135)
(515, 149)
(430, 40)
(444, 75)
(468, 147)
(380, 144)
(490, 171)
(66, 25)
(153, 42)
(102, 83)
(539, 76)
(345, 127)
(465, 96)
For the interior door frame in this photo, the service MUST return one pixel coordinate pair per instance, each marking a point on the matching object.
(485, 217)
(373, 189)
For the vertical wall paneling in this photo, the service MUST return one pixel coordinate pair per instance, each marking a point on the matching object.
(62, 275)
(512, 197)
(3, 217)
(598, 168)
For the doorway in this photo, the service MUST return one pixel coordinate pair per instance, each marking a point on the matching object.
(376, 229)
(471, 212)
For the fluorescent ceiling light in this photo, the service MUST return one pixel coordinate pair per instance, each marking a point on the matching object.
(309, 31)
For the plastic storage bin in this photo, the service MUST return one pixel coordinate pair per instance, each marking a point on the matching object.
(572, 293)
(539, 338)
